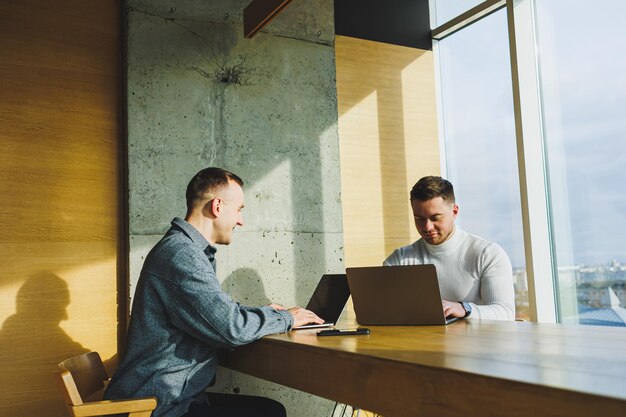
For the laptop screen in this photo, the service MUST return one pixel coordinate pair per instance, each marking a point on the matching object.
(328, 300)
(396, 295)
(330, 297)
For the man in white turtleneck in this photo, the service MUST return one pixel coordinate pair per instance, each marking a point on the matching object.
(475, 276)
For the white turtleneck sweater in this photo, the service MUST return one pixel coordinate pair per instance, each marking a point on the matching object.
(469, 269)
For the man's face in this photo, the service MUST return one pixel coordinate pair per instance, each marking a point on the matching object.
(230, 206)
(434, 219)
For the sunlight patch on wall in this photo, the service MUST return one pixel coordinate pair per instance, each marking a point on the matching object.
(8, 295)
(89, 318)
(269, 202)
(361, 181)
(330, 198)
(420, 122)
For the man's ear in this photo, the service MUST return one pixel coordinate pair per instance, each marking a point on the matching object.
(213, 208)
(216, 206)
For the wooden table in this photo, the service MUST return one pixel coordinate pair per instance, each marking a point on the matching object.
(468, 368)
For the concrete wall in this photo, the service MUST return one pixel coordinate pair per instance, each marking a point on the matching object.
(200, 95)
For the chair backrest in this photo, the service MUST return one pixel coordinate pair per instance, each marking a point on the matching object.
(87, 376)
(82, 377)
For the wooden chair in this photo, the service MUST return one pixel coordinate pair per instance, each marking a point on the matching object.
(82, 379)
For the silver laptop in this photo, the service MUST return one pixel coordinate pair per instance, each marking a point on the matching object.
(328, 300)
(396, 295)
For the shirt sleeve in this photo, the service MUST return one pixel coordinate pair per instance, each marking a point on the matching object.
(393, 259)
(203, 310)
(496, 286)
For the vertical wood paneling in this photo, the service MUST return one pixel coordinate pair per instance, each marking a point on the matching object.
(388, 140)
(60, 210)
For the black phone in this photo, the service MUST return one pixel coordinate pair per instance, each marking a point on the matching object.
(343, 332)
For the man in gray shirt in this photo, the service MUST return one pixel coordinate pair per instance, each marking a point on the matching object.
(181, 318)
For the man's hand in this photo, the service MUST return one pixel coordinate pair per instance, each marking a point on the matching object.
(453, 309)
(302, 316)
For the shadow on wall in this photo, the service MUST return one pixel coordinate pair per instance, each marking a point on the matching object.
(245, 286)
(31, 345)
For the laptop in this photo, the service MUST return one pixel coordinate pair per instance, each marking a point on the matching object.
(328, 300)
(396, 295)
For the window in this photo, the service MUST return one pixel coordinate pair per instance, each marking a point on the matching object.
(447, 10)
(479, 139)
(569, 88)
(584, 97)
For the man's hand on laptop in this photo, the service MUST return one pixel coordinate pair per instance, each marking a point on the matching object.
(453, 309)
(303, 316)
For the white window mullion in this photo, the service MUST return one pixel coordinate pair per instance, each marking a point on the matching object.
(531, 162)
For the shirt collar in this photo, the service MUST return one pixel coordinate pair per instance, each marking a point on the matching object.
(194, 235)
(449, 246)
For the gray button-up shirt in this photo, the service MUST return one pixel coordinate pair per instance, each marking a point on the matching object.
(181, 318)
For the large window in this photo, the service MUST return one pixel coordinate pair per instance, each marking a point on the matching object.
(566, 96)
(479, 139)
(584, 105)
(447, 10)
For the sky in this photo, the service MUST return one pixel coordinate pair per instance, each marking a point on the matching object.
(584, 101)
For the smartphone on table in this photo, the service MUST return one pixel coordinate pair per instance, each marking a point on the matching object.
(343, 332)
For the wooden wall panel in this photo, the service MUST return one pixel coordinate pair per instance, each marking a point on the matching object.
(388, 140)
(61, 216)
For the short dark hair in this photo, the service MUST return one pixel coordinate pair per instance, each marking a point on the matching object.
(431, 187)
(205, 184)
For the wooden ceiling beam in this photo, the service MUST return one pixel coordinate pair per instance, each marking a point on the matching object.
(259, 13)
